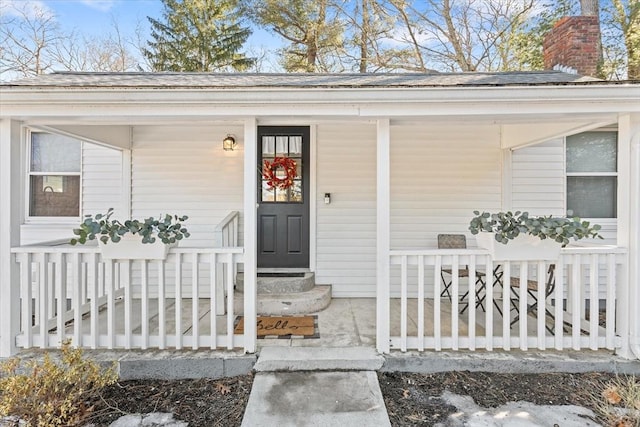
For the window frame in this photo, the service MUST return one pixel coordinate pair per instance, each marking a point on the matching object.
(591, 174)
(33, 219)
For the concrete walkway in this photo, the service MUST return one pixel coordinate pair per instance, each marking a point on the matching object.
(327, 399)
(316, 387)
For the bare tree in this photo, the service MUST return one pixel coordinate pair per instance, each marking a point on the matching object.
(589, 7)
(627, 18)
(370, 27)
(464, 35)
(29, 34)
(32, 44)
(310, 27)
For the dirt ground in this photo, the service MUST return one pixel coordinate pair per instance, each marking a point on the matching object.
(411, 399)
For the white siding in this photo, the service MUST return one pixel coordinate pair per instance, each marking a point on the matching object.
(184, 170)
(539, 185)
(101, 189)
(346, 228)
(538, 179)
(101, 179)
(439, 176)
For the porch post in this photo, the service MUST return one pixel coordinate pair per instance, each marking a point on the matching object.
(250, 238)
(629, 230)
(10, 191)
(383, 234)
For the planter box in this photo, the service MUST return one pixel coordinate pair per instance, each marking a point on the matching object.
(131, 247)
(525, 247)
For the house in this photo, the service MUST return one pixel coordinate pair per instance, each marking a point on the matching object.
(386, 163)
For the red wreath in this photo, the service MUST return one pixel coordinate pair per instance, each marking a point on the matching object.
(270, 169)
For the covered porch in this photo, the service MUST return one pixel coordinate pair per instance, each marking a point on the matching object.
(401, 166)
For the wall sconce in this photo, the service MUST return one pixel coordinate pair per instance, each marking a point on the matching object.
(229, 143)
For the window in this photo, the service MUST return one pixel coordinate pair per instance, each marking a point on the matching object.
(591, 165)
(54, 175)
(277, 146)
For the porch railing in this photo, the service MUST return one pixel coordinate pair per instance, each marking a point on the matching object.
(226, 235)
(586, 309)
(72, 293)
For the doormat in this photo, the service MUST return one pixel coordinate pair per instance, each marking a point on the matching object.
(280, 274)
(282, 327)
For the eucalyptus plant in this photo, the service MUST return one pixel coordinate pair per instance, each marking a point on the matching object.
(167, 228)
(507, 226)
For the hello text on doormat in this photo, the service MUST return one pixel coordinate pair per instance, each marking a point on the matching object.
(283, 327)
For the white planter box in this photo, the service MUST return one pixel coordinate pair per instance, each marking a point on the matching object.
(131, 247)
(525, 247)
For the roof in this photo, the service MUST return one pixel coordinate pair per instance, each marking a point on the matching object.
(255, 80)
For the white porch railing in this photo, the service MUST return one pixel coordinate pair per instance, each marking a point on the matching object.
(227, 232)
(226, 235)
(72, 293)
(587, 308)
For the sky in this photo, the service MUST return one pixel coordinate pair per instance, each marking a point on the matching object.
(95, 17)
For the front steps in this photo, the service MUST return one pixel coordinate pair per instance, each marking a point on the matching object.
(280, 294)
(279, 359)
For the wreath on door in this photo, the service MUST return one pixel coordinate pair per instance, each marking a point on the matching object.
(270, 169)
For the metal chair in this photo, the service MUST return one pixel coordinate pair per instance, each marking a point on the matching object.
(532, 290)
(459, 241)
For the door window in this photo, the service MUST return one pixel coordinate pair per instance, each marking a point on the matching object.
(282, 146)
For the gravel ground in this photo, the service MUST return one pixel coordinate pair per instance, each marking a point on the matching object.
(411, 399)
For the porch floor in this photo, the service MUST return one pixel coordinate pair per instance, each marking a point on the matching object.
(347, 322)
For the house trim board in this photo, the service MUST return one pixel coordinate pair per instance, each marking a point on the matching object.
(383, 233)
(313, 192)
(11, 170)
(250, 235)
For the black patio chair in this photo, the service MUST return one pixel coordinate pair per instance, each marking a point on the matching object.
(459, 241)
(532, 290)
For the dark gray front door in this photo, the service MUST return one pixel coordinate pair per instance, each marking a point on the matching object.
(283, 214)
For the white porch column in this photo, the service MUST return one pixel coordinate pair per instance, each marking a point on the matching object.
(629, 227)
(10, 191)
(250, 229)
(383, 234)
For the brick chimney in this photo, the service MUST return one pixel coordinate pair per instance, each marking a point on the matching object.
(574, 43)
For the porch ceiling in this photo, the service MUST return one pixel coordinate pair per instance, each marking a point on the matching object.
(517, 130)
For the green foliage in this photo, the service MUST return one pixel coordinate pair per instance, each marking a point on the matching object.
(167, 228)
(310, 27)
(198, 36)
(507, 226)
(52, 394)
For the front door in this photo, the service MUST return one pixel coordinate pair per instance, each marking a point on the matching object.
(283, 213)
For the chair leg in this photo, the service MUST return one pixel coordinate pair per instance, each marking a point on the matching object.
(445, 291)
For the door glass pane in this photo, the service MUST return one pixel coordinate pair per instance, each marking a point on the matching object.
(591, 196)
(299, 168)
(282, 195)
(281, 146)
(296, 191)
(295, 146)
(54, 196)
(268, 146)
(592, 152)
(268, 195)
(54, 153)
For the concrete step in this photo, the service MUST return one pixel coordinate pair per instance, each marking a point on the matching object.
(276, 359)
(328, 399)
(316, 299)
(279, 284)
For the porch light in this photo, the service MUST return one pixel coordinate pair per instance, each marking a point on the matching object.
(229, 143)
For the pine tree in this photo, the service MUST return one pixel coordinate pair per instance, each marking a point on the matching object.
(198, 35)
